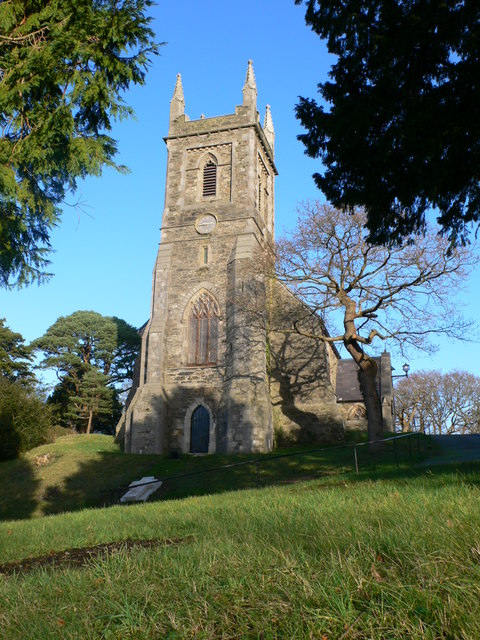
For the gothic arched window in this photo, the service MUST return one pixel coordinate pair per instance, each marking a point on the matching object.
(210, 179)
(203, 331)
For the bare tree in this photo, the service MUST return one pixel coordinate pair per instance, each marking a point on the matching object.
(410, 395)
(438, 403)
(369, 294)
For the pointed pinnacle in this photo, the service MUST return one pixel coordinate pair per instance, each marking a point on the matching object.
(250, 79)
(178, 92)
(177, 103)
(268, 122)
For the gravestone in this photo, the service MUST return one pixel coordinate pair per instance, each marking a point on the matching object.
(141, 490)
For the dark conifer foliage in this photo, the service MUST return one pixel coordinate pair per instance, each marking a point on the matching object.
(15, 356)
(398, 129)
(93, 357)
(64, 67)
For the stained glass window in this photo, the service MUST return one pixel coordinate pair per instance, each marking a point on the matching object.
(203, 331)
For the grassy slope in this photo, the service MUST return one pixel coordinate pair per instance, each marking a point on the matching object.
(397, 558)
(84, 470)
(81, 472)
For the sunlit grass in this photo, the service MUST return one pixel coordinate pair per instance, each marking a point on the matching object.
(91, 471)
(396, 558)
(390, 553)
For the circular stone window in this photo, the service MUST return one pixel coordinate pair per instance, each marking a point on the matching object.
(205, 224)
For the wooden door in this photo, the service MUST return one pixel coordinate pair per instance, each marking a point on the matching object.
(200, 430)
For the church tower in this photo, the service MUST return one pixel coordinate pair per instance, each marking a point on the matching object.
(201, 380)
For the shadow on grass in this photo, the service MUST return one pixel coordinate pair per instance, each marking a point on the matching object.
(202, 475)
(18, 486)
(102, 481)
(332, 466)
(93, 481)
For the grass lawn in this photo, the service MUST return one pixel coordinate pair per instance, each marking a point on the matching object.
(81, 471)
(87, 471)
(389, 554)
(393, 558)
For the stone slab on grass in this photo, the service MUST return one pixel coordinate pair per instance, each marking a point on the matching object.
(141, 490)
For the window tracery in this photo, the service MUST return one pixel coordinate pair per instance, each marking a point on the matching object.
(203, 321)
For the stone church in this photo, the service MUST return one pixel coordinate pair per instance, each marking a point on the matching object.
(218, 370)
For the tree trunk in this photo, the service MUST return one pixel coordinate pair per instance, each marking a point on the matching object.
(367, 374)
(89, 425)
(373, 405)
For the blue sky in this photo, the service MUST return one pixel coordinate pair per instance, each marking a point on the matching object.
(105, 250)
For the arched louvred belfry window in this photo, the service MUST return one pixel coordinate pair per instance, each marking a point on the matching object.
(210, 179)
(203, 331)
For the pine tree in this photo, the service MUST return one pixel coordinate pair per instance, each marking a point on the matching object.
(94, 398)
(78, 346)
(398, 126)
(64, 67)
(15, 356)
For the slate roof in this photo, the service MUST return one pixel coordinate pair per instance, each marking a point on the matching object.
(348, 387)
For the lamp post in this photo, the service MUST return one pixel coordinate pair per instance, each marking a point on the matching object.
(406, 369)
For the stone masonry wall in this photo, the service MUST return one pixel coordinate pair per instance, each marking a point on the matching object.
(301, 376)
(159, 413)
(220, 245)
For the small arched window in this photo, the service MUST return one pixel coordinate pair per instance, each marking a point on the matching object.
(203, 331)
(210, 179)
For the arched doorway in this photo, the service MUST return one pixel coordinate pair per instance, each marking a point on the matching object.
(200, 430)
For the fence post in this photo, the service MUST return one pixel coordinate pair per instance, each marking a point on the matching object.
(356, 459)
(395, 451)
(418, 442)
(258, 473)
(409, 447)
